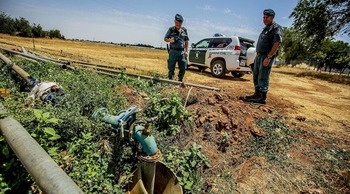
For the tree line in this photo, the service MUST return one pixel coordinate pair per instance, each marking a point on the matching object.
(22, 27)
(310, 38)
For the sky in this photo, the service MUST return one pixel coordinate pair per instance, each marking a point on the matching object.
(147, 21)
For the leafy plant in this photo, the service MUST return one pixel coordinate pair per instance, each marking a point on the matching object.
(44, 118)
(186, 164)
(224, 141)
(168, 113)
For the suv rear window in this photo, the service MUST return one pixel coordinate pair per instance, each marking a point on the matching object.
(220, 42)
(245, 45)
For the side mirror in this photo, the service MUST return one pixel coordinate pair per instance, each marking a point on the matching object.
(193, 45)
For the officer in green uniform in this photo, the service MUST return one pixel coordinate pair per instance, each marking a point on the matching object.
(177, 36)
(267, 47)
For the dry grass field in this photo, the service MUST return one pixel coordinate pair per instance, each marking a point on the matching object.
(319, 108)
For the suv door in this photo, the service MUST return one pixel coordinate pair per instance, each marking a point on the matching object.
(198, 51)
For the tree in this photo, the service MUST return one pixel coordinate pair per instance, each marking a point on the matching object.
(332, 55)
(7, 24)
(294, 45)
(55, 34)
(23, 28)
(319, 19)
(337, 54)
(37, 31)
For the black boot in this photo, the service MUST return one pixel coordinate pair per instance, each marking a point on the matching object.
(255, 95)
(247, 98)
(261, 99)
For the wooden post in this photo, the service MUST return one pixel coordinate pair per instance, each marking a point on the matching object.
(33, 43)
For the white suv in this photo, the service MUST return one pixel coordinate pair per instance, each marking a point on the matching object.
(223, 55)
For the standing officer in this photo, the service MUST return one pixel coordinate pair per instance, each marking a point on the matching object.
(178, 38)
(267, 47)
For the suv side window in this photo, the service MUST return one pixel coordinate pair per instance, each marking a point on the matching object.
(220, 42)
(203, 43)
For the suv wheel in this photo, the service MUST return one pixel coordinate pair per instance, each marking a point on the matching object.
(236, 74)
(218, 68)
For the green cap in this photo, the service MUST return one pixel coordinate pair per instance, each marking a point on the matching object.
(269, 12)
(179, 18)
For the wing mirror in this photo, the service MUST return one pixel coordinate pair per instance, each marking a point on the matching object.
(193, 45)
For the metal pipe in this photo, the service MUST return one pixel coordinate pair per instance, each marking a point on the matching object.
(148, 143)
(148, 175)
(46, 173)
(48, 58)
(16, 68)
(64, 66)
(86, 64)
(156, 78)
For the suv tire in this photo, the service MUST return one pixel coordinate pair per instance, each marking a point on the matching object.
(218, 68)
(236, 74)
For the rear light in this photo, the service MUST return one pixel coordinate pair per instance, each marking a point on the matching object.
(237, 48)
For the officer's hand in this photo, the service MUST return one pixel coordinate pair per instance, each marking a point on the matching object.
(171, 40)
(266, 62)
(186, 54)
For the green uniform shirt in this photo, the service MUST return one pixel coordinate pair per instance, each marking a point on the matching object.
(269, 35)
(180, 37)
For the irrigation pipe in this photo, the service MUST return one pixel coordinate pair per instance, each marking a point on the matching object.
(96, 65)
(112, 69)
(64, 66)
(81, 63)
(45, 172)
(48, 58)
(153, 78)
(16, 68)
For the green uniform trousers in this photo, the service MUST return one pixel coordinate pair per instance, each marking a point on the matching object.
(179, 57)
(261, 74)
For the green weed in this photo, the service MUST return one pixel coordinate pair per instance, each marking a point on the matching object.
(90, 152)
(186, 165)
(275, 144)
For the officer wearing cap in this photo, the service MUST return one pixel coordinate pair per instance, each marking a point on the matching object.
(266, 48)
(177, 36)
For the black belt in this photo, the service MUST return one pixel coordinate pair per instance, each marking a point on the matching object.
(177, 49)
(258, 53)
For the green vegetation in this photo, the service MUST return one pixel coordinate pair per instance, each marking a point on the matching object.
(23, 28)
(321, 19)
(330, 54)
(91, 152)
(311, 37)
(168, 112)
(330, 162)
(275, 145)
(186, 163)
